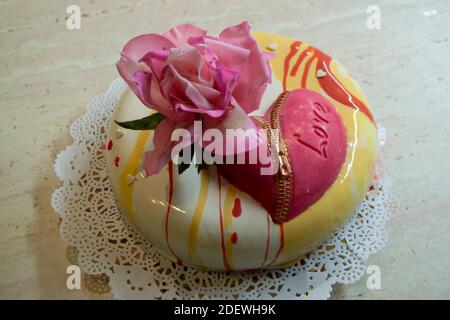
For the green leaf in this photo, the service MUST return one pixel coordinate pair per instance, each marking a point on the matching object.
(147, 123)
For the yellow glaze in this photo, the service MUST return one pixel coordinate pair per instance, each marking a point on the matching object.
(126, 189)
(202, 196)
(195, 235)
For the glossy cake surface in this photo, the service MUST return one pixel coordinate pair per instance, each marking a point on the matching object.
(201, 220)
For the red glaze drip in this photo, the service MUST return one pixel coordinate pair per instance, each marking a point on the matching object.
(110, 144)
(222, 241)
(117, 161)
(234, 238)
(266, 253)
(237, 210)
(295, 46)
(299, 61)
(331, 86)
(306, 71)
(169, 206)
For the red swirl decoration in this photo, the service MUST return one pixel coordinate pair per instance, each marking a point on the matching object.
(330, 84)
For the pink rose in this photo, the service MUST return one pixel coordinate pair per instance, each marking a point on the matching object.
(187, 75)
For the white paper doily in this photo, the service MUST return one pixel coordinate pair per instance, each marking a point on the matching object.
(108, 244)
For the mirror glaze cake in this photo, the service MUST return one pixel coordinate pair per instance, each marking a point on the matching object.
(226, 217)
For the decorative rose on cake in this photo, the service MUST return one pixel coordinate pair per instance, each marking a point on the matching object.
(186, 75)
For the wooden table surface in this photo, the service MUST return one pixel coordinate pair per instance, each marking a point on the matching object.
(48, 74)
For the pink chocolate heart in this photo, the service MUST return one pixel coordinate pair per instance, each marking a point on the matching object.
(316, 143)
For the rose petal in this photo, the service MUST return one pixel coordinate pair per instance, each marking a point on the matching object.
(160, 155)
(199, 43)
(181, 34)
(189, 90)
(127, 68)
(226, 81)
(156, 159)
(257, 73)
(209, 93)
(136, 48)
(156, 61)
(208, 58)
(187, 61)
(236, 118)
(212, 113)
(233, 57)
(148, 92)
(269, 55)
